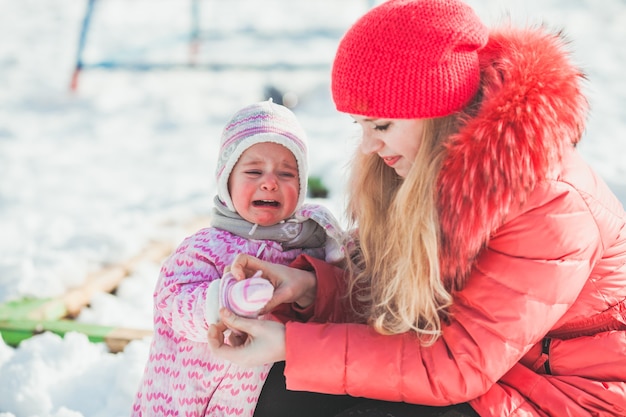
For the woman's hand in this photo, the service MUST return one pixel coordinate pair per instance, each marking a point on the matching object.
(291, 285)
(264, 341)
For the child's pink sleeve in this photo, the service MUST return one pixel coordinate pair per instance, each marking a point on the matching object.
(181, 291)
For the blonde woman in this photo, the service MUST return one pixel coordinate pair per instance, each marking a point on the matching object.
(490, 273)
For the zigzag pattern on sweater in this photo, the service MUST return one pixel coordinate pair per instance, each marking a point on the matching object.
(182, 378)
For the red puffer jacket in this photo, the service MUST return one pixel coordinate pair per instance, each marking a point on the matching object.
(536, 244)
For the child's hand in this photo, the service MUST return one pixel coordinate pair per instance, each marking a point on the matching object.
(291, 285)
(246, 297)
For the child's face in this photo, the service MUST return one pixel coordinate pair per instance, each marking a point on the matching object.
(264, 184)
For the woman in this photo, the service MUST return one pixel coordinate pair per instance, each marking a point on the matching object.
(497, 279)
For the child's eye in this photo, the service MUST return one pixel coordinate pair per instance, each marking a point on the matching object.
(287, 174)
(253, 172)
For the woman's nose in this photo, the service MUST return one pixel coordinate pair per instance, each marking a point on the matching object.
(370, 144)
(269, 182)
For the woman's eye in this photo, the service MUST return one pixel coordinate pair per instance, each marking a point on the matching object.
(382, 128)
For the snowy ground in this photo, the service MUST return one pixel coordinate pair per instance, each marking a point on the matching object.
(89, 178)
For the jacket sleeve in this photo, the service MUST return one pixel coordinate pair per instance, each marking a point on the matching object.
(532, 271)
(180, 293)
(330, 305)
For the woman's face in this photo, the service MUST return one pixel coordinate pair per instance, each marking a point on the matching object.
(396, 141)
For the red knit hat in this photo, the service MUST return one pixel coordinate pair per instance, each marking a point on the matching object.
(409, 59)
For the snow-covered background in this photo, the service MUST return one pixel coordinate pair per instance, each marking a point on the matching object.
(88, 178)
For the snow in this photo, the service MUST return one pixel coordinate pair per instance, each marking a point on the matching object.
(88, 178)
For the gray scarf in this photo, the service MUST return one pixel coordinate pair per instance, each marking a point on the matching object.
(291, 233)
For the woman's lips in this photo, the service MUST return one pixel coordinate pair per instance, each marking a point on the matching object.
(390, 160)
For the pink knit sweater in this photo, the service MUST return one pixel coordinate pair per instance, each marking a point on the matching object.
(182, 377)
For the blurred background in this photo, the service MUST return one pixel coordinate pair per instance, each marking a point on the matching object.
(110, 117)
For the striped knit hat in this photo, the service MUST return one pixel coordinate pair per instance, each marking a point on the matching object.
(409, 59)
(260, 122)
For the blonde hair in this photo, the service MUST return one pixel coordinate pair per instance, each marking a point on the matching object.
(395, 276)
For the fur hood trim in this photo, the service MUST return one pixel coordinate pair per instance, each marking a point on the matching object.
(531, 109)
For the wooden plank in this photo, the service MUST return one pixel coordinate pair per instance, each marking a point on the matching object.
(116, 338)
(33, 309)
(119, 337)
(21, 319)
(107, 279)
(70, 303)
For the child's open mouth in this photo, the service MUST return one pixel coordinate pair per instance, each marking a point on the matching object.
(265, 203)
